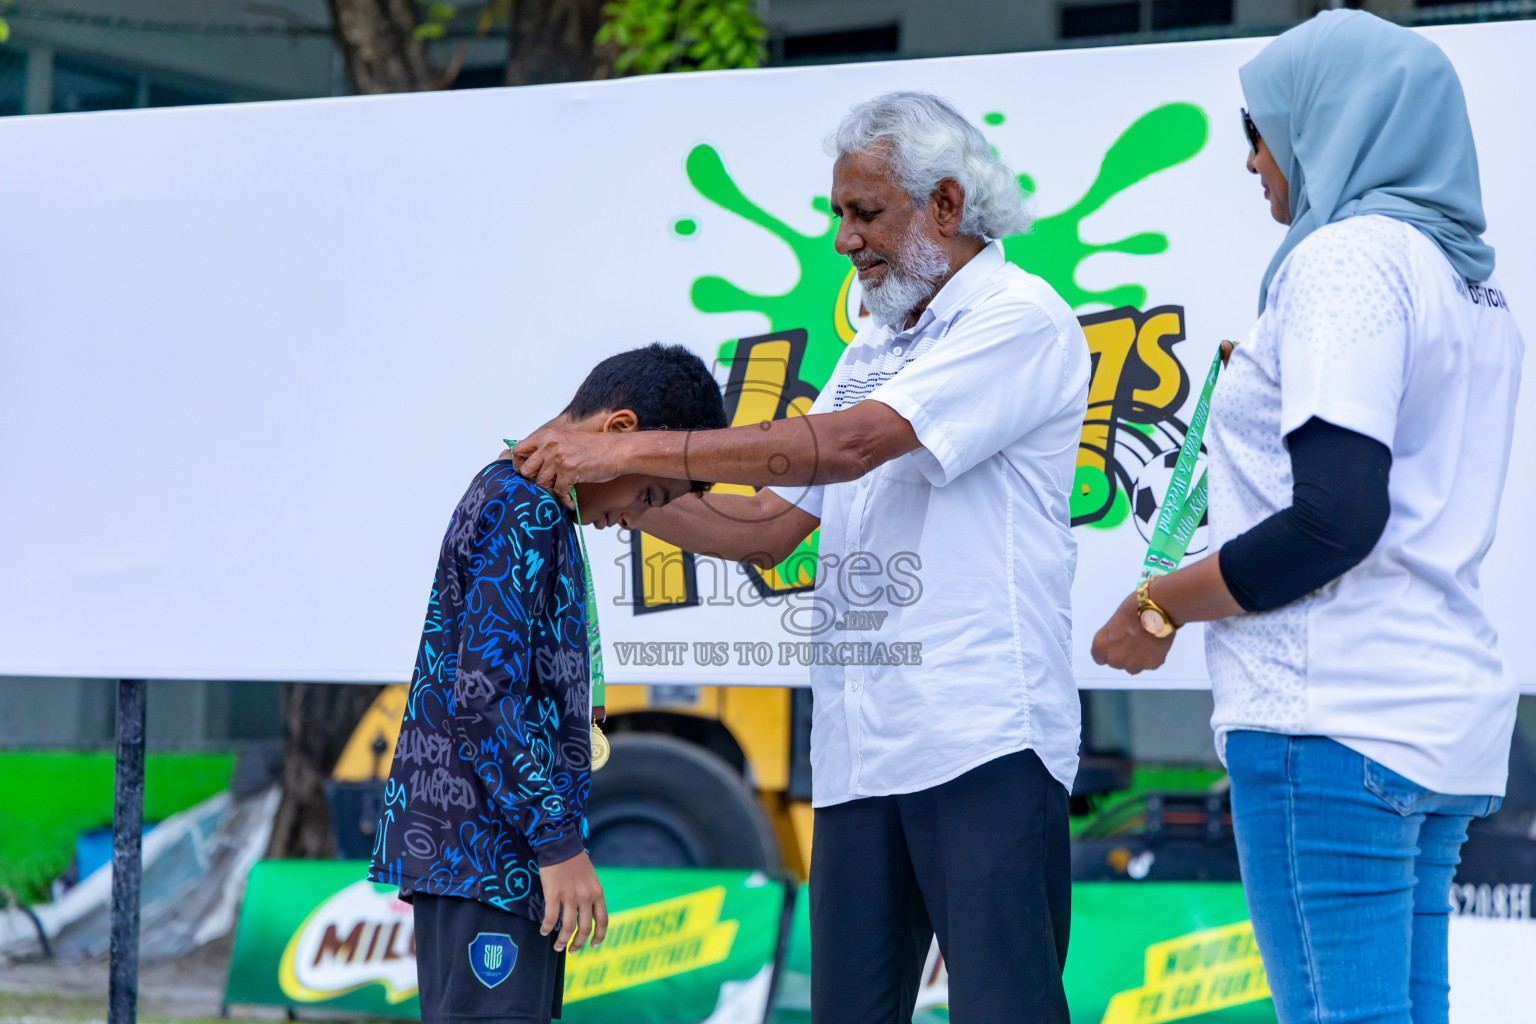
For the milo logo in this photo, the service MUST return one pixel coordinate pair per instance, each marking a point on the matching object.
(362, 935)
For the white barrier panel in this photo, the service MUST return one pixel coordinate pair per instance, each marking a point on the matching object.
(253, 354)
(1490, 961)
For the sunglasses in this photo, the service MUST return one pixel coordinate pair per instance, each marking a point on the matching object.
(1251, 130)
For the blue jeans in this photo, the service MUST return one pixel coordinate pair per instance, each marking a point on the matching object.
(1347, 868)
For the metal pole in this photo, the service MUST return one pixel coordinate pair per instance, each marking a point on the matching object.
(127, 853)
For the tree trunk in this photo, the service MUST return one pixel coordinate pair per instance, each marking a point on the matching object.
(553, 41)
(378, 43)
(318, 719)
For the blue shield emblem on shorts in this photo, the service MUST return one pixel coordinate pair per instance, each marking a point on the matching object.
(491, 957)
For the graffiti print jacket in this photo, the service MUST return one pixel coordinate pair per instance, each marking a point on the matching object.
(490, 774)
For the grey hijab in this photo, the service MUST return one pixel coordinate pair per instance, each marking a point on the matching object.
(1365, 117)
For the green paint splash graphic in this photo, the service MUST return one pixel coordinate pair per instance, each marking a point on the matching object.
(1053, 248)
(811, 301)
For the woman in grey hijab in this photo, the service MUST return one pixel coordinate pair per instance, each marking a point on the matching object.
(1359, 440)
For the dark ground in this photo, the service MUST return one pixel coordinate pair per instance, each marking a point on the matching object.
(189, 989)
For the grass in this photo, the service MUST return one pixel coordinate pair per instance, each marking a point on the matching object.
(49, 1008)
(24, 1006)
(48, 798)
(27, 1008)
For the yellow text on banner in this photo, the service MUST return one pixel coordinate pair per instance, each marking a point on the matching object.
(653, 942)
(1197, 973)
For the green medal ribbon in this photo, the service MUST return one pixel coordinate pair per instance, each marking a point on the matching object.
(1183, 507)
(594, 638)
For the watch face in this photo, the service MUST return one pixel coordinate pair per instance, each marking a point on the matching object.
(1153, 622)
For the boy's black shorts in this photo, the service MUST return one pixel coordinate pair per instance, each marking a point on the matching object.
(476, 964)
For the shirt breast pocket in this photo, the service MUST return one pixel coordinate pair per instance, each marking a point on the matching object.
(904, 470)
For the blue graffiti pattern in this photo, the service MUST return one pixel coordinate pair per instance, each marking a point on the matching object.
(490, 774)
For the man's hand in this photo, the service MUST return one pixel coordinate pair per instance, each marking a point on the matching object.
(1124, 644)
(556, 459)
(573, 899)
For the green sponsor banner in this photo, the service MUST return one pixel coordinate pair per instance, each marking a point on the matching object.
(1148, 952)
(682, 946)
(1141, 953)
(690, 946)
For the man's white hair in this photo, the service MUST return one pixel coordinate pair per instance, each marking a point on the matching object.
(925, 140)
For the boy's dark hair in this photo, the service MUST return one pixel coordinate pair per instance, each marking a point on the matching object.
(666, 386)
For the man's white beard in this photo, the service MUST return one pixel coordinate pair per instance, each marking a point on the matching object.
(912, 276)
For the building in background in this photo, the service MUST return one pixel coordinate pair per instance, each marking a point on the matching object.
(72, 55)
(806, 31)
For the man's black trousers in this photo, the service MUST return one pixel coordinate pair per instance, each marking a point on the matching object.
(983, 861)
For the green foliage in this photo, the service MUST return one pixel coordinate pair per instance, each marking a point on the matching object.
(435, 17)
(494, 13)
(653, 36)
(5, 26)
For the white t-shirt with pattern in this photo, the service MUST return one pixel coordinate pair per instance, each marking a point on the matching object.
(1369, 327)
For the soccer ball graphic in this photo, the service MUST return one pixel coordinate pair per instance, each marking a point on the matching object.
(1147, 497)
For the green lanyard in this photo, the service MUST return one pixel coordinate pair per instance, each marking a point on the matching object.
(594, 638)
(1182, 507)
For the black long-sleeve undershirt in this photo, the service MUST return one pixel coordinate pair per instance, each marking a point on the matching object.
(1338, 510)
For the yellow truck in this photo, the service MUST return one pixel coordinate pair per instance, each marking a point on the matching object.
(701, 776)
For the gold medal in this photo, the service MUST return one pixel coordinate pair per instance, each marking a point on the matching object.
(599, 748)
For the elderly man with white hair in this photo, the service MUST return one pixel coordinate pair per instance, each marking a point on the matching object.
(948, 435)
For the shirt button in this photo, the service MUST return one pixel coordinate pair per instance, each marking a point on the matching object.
(854, 686)
(897, 350)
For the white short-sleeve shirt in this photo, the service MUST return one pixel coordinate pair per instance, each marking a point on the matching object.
(1368, 327)
(962, 550)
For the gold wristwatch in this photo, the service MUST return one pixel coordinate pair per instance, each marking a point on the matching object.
(1153, 619)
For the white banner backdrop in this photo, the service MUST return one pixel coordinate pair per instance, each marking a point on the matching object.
(253, 354)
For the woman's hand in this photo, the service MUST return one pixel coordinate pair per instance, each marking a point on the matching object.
(1122, 642)
(557, 459)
